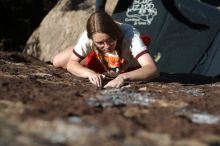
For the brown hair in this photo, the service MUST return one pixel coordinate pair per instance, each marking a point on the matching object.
(101, 22)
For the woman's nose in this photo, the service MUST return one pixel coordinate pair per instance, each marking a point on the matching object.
(106, 45)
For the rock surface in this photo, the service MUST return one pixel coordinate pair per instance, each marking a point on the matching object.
(44, 106)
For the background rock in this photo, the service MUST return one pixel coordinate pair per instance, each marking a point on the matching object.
(59, 29)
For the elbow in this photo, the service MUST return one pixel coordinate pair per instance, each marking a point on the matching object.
(155, 72)
(56, 62)
(59, 62)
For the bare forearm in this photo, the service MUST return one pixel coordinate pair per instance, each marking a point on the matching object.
(143, 73)
(77, 69)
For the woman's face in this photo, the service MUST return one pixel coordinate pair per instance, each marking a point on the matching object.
(104, 42)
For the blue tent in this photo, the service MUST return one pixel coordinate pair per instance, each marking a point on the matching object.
(184, 34)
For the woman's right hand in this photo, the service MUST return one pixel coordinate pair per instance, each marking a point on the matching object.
(96, 79)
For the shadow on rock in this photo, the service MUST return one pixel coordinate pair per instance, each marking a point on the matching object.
(186, 79)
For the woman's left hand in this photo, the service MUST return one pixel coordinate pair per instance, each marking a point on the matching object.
(115, 83)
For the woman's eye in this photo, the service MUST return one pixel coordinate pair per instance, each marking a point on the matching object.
(99, 43)
(109, 41)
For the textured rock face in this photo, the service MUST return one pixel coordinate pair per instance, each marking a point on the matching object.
(44, 106)
(59, 29)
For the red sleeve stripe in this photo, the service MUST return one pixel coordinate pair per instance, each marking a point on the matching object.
(141, 53)
(81, 57)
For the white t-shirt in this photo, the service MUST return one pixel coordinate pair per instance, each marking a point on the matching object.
(132, 46)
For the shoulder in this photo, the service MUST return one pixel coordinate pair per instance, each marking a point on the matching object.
(84, 40)
(83, 45)
(132, 40)
(128, 30)
(84, 36)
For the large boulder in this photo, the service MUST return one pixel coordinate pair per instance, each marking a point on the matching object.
(59, 29)
(46, 106)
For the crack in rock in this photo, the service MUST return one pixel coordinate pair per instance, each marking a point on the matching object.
(120, 97)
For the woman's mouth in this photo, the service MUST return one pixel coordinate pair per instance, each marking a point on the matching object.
(108, 50)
